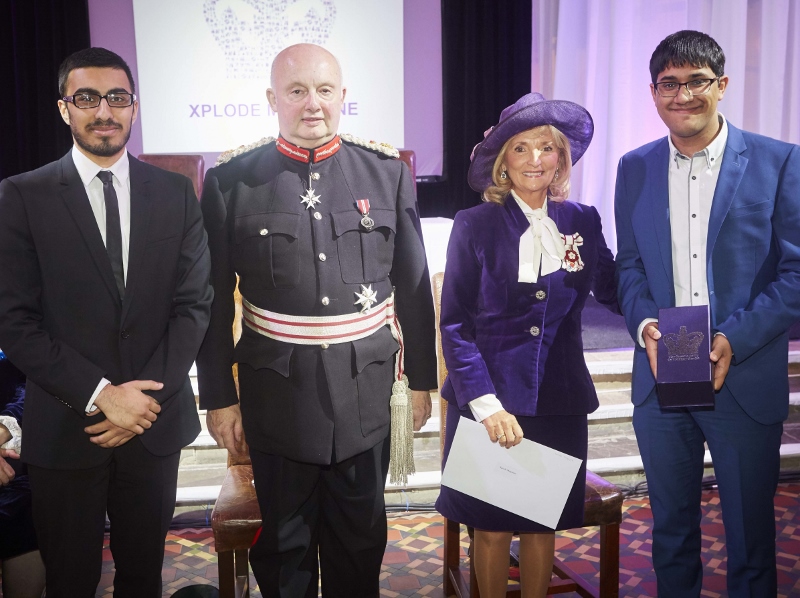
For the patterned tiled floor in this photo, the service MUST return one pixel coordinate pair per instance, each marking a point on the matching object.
(412, 565)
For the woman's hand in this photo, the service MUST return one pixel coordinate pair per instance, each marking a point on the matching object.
(503, 428)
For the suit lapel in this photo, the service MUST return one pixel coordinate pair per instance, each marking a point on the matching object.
(77, 202)
(730, 175)
(141, 208)
(657, 181)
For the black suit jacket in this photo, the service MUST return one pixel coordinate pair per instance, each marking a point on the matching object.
(61, 321)
(306, 402)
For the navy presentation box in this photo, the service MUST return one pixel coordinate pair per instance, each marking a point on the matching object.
(684, 369)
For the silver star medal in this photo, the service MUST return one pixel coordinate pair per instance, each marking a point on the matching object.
(366, 298)
(310, 199)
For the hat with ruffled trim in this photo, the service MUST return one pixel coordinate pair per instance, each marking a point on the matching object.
(530, 111)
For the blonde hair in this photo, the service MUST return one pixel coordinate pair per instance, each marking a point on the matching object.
(557, 191)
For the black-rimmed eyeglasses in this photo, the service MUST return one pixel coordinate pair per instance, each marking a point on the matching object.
(92, 100)
(669, 89)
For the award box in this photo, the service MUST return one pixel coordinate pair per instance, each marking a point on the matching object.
(684, 369)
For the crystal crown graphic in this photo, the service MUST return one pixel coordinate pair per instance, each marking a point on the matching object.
(683, 346)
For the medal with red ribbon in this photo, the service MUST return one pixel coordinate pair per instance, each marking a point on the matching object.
(572, 258)
(363, 207)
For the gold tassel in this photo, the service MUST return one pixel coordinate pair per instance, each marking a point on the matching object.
(401, 456)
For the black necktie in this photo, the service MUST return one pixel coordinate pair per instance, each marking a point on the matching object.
(113, 230)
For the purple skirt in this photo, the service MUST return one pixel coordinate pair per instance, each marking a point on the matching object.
(565, 433)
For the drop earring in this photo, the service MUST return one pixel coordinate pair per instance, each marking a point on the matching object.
(503, 176)
(556, 177)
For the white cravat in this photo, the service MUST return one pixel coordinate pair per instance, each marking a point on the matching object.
(540, 245)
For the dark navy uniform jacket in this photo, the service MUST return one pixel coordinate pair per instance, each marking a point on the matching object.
(309, 402)
(520, 341)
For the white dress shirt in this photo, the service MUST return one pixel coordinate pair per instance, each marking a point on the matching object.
(692, 182)
(88, 170)
(541, 248)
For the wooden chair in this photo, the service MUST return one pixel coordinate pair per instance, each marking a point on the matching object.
(603, 507)
(236, 516)
(189, 165)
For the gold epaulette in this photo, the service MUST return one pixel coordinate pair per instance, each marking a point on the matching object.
(242, 149)
(383, 148)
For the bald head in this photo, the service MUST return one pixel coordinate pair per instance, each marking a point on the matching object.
(307, 94)
(303, 54)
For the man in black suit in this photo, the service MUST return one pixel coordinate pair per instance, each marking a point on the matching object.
(324, 234)
(104, 301)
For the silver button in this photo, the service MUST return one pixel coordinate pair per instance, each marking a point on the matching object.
(315, 176)
(263, 232)
(535, 330)
(317, 216)
(540, 295)
(322, 257)
(324, 345)
(325, 301)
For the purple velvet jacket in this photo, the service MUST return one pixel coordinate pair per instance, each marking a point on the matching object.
(520, 341)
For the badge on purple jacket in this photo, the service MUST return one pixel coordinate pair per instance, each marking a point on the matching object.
(363, 207)
(572, 258)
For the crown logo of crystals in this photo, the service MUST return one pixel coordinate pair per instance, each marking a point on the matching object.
(683, 346)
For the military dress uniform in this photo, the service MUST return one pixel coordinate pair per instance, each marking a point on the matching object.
(317, 237)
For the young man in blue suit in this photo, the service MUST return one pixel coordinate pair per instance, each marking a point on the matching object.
(710, 215)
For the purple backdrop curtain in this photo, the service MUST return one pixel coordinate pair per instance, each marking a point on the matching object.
(597, 54)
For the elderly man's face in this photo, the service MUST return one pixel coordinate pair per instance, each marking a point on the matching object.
(307, 95)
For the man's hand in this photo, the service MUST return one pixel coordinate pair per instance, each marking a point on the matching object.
(421, 407)
(503, 428)
(721, 355)
(225, 426)
(128, 407)
(651, 334)
(106, 434)
(6, 471)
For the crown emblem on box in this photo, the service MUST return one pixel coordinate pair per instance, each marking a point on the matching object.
(684, 345)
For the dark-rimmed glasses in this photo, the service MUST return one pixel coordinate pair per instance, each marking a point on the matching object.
(115, 99)
(669, 89)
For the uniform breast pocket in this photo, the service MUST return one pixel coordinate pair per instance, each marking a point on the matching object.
(365, 255)
(268, 249)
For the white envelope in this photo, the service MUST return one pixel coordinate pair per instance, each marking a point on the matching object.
(530, 479)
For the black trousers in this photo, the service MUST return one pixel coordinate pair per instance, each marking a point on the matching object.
(320, 518)
(137, 490)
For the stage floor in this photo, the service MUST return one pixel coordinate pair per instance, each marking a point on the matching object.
(412, 565)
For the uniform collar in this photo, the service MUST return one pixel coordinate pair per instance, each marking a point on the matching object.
(304, 155)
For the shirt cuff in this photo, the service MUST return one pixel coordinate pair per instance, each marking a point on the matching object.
(639, 337)
(90, 407)
(484, 406)
(12, 426)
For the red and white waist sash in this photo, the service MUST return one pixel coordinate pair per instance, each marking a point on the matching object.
(325, 330)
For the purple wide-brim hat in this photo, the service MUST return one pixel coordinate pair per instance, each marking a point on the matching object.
(530, 111)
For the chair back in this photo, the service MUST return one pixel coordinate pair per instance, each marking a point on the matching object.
(437, 281)
(410, 158)
(189, 165)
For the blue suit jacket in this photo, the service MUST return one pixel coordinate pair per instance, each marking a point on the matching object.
(520, 341)
(753, 260)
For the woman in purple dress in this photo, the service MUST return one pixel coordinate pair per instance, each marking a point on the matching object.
(519, 269)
